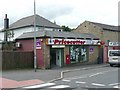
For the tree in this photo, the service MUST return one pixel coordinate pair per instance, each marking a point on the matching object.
(66, 28)
(8, 44)
(9, 34)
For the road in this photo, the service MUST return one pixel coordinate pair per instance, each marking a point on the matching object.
(105, 78)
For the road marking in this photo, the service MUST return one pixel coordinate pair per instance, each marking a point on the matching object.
(113, 84)
(65, 80)
(77, 77)
(41, 85)
(89, 75)
(80, 82)
(60, 86)
(116, 87)
(95, 74)
(97, 84)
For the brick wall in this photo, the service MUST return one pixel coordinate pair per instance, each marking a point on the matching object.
(66, 52)
(87, 27)
(46, 54)
(93, 56)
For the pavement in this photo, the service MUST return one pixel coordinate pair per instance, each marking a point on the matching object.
(21, 78)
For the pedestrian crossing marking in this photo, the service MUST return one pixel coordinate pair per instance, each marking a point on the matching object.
(60, 86)
(97, 84)
(116, 87)
(80, 82)
(54, 86)
(39, 86)
(65, 80)
(114, 84)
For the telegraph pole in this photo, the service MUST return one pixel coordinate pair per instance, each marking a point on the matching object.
(35, 61)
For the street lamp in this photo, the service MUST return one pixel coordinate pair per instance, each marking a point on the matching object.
(35, 61)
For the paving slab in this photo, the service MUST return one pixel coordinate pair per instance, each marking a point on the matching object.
(8, 83)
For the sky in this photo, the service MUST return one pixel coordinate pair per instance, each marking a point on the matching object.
(70, 13)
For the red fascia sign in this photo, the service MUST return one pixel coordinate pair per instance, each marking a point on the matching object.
(116, 47)
(64, 42)
(72, 42)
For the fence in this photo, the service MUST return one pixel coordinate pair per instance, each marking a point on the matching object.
(17, 60)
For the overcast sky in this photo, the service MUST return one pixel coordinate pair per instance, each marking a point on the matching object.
(65, 12)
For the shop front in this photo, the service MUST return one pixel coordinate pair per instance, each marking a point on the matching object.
(69, 51)
(59, 49)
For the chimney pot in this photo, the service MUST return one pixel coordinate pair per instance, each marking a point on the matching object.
(5, 16)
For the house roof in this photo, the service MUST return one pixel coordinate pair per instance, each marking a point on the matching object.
(56, 34)
(29, 21)
(106, 27)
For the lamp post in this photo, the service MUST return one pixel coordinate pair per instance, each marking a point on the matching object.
(35, 61)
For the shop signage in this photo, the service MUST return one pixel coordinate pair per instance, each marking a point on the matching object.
(58, 46)
(72, 42)
(116, 47)
(91, 49)
(38, 44)
(114, 43)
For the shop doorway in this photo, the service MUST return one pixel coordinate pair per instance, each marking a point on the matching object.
(56, 57)
(101, 55)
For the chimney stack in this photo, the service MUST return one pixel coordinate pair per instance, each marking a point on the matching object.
(6, 22)
(6, 26)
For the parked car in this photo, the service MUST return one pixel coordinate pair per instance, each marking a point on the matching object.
(114, 57)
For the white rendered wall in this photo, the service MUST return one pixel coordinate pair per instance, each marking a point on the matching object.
(2, 36)
(20, 31)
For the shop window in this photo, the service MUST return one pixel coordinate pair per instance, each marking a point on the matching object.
(83, 54)
(74, 54)
(78, 54)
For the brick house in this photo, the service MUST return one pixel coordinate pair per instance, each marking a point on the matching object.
(106, 33)
(26, 24)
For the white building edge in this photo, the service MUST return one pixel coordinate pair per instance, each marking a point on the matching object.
(26, 24)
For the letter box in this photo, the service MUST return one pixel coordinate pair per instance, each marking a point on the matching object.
(67, 59)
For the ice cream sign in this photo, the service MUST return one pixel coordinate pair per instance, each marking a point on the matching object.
(38, 44)
(71, 42)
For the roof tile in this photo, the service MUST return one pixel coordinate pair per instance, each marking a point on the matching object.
(29, 21)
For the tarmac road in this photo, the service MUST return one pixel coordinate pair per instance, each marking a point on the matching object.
(100, 78)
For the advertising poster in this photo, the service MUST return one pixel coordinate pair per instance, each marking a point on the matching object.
(38, 44)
